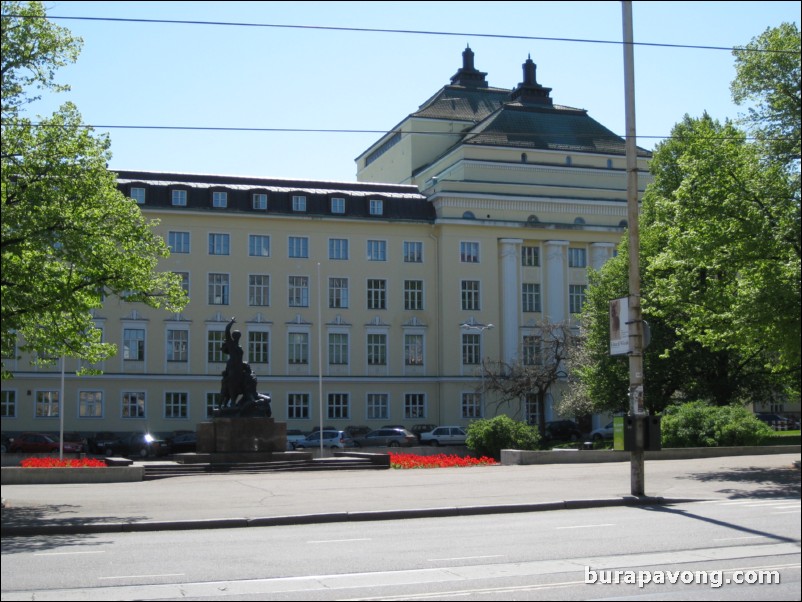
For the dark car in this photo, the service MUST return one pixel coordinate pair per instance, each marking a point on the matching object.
(181, 443)
(144, 445)
(357, 431)
(387, 438)
(419, 429)
(105, 442)
(777, 422)
(39, 443)
(77, 440)
(562, 430)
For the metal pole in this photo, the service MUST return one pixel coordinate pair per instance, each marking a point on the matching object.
(61, 414)
(320, 359)
(636, 325)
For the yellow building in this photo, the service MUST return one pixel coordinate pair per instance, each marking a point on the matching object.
(365, 302)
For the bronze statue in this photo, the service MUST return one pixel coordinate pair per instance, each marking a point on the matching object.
(238, 395)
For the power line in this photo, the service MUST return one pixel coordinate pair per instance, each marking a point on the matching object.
(404, 31)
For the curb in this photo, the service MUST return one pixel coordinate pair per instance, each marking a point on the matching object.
(336, 517)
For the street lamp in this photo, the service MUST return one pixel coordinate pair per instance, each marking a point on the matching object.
(472, 324)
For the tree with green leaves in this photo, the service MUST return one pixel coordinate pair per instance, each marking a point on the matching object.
(70, 239)
(719, 256)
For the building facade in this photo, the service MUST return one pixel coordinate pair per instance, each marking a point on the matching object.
(372, 302)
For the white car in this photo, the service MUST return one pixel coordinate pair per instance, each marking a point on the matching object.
(604, 432)
(331, 439)
(444, 435)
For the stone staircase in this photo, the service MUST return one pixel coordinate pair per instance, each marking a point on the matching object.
(163, 470)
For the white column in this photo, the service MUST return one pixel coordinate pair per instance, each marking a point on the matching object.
(510, 285)
(600, 252)
(556, 288)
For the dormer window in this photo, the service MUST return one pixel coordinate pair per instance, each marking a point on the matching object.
(259, 201)
(376, 207)
(298, 202)
(138, 195)
(179, 198)
(220, 199)
(338, 205)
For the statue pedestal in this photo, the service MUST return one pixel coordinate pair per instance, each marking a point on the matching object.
(239, 439)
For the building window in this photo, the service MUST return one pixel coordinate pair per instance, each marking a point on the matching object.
(8, 404)
(338, 348)
(176, 404)
(218, 289)
(377, 250)
(378, 406)
(259, 201)
(377, 350)
(530, 257)
(377, 294)
(532, 410)
(298, 291)
(213, 401)
(218, 244)
(469, 252)
(178, 242)
(413, 295)
(338, 407)
(577, 258)
(338, 293)
(338, 248)
(298, 202)
(298, 406)
(134, 344)
(471, 406)
(133, 404)
(471, 349)
(337, 205)
(259, 245)
(413, 252)
(177, 345)
(414, 406)
(138, 194)
(576, 297)
(413, 350)
(532, 350)
(298, 348)
(530, 297)
(470, 295)
(259, 290)
(47, 404)
(220, 199)
(376, 207)
(214, 346)
(298, 247)
(90, 404)
(184, 276)
(179, 198)
(258, 347)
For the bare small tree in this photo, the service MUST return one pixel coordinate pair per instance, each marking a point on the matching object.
(541, 363)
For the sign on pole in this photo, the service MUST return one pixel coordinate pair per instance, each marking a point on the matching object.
(619, 326)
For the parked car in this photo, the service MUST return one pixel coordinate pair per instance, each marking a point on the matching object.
(419, 429)
(182, 443)
(136, 445)
(331, 438)
(294, 437)
(357, 430)
(445, 435)
(105, 442)
(39, 443)
(562, 430)
(604, 432)
(76, 439)
(391, 437)
(777, 422)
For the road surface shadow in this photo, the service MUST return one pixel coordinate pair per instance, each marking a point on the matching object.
(755, 482)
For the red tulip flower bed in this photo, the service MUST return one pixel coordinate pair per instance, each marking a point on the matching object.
(68, 463)
(436, 461)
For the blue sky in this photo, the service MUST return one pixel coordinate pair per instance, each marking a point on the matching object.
(307, 77)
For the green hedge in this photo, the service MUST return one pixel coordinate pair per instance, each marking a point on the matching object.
(697, 424)
(489, 437)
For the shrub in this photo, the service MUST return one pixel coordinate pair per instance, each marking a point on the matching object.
(489, 437)
(697, 424)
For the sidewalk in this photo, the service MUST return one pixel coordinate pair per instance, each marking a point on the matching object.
(243, 500)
